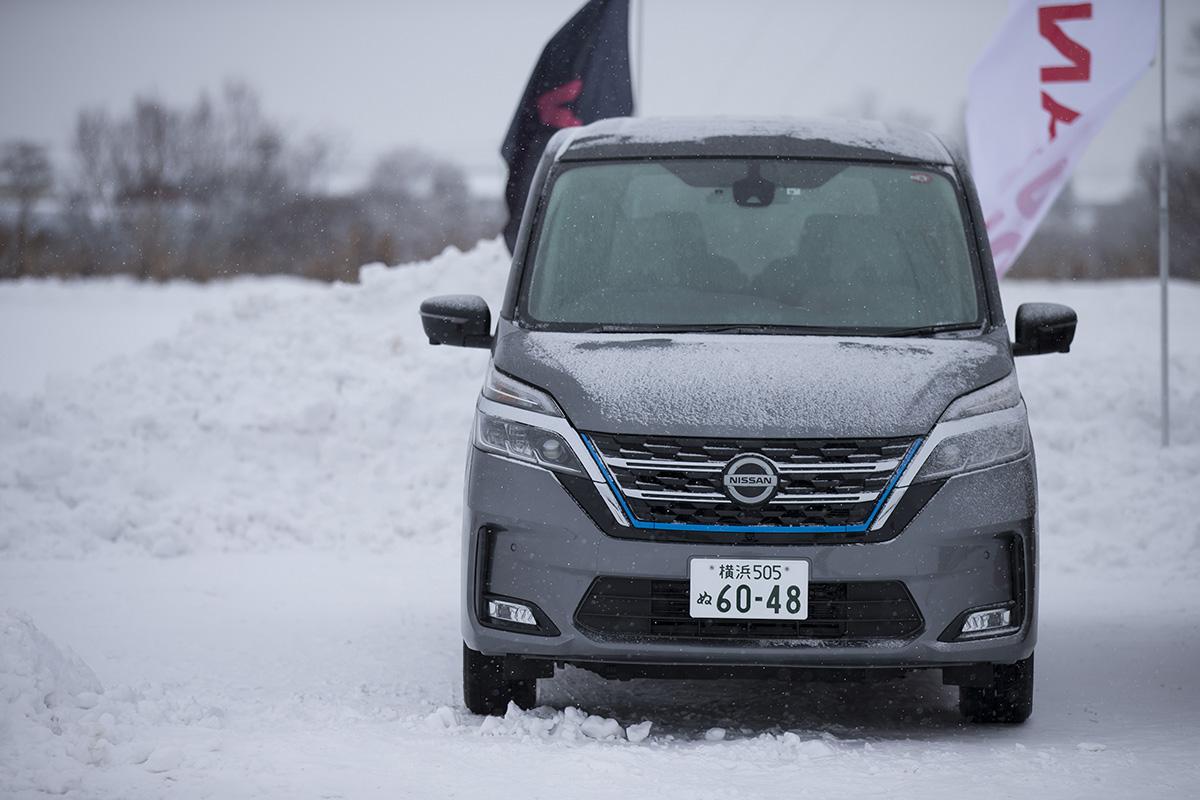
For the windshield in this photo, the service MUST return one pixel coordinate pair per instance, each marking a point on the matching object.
(723, 243)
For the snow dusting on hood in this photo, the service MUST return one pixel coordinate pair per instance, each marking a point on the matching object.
(750, 385)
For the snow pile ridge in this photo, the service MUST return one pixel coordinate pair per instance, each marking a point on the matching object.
(37, 679)
(56, 717)
(316, 416)
(544, 723)
(44, 694)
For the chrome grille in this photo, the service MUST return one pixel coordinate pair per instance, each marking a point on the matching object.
(667, 481)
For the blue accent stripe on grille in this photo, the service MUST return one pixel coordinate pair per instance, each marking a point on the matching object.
(687, 526)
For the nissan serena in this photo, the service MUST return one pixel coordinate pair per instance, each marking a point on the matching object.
(751, 410)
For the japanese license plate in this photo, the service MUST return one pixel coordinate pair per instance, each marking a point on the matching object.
(748, 588)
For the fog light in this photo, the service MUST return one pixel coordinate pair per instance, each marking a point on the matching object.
(506, 611)
(988, 620)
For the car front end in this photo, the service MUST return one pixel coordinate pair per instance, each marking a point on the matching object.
(752, 410)
(920, 549)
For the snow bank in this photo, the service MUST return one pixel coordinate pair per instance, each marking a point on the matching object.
(574, 725)
(47, 698)
(61, 327)
(55, 717)
(315, 416)
(37, 679)
(543, 723)
(1110, 494)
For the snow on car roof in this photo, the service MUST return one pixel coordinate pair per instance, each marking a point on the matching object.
(640, 137)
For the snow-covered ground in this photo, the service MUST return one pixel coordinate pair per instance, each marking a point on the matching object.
(51, 327)
(229, 568)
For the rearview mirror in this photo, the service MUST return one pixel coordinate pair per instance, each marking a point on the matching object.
(1044, 328)
(461, 320)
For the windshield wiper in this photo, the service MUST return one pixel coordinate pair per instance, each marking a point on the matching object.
(751, 328)
(766, 328)
(711, 328)
(926, 330)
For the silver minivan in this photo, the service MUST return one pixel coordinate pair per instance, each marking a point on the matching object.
(751, 411)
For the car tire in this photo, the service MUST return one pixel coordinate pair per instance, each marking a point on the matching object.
(486, 690)
(1008, 701)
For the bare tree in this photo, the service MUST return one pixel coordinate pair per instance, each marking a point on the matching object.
(25, 175)
(406, 172)
(424, 202)
(217, 187)
(1183, 179)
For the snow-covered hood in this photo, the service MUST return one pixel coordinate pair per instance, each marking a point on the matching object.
(752, 386)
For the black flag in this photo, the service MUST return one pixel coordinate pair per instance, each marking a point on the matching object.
(582, 76)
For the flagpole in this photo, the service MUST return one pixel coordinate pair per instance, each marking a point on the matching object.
(637, 78)
(1164, 240)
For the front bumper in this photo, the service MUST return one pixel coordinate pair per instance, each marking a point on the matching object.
(957, 553)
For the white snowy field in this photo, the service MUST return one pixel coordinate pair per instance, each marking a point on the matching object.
(52, 327)
(229, 568)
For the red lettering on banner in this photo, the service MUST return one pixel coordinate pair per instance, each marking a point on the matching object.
(1006, 239)
(1033, 194)
(1080, 57)
(1058, 113)
(1003, 248)
(1080, 68)
(552, 106)
(1004, 245)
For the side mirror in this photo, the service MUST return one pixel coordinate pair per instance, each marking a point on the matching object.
(1044, 328)
(462, 320)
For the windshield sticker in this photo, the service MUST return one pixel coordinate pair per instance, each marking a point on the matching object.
(920, 177)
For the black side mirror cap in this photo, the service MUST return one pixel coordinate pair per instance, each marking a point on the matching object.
(1044, 328)
(461, 320)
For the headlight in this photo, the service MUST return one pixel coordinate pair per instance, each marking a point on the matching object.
(966, 452)
(978, 430)
(511, 392)
(522, 422)
(526, 443)
(1004, 393)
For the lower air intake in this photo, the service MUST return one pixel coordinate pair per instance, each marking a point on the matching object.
(646, 608)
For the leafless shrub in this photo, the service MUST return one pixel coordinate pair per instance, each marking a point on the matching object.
(25, 176)
(218, 188)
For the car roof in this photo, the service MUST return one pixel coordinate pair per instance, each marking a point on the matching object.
(782, 137)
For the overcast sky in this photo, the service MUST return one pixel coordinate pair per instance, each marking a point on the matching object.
(445, 75)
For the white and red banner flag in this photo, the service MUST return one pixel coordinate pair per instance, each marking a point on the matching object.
(1037, 96)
